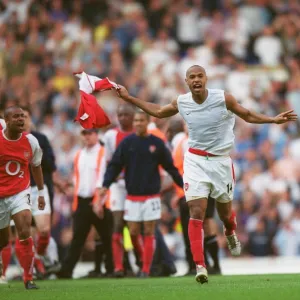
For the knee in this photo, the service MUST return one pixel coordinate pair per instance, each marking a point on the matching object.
(24, 233)
(149, 231)
(118, 225)
(134, 232)
(224, 215)
(44, 231)
(196, 212)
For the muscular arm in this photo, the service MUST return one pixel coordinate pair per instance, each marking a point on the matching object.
(37, 174)
(253, 117)
(152, 109)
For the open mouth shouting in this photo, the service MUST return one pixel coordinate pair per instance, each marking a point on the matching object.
(197, 86)
(21, 125)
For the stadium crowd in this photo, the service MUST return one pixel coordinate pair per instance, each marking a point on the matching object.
(249, 48)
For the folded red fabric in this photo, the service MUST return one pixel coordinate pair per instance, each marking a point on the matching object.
(90, 114)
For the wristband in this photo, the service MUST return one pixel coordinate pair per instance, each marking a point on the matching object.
(41, 193)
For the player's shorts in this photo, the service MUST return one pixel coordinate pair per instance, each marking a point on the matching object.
(12, 205)
(208, 176)
(139, 211)
(118, 195)
(35, 205)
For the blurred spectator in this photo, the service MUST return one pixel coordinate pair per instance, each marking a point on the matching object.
(268, 48)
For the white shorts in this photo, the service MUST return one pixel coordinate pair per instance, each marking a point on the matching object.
(208, 176)
(35, 205)
(12, 205)
(139, 211)
(118, 195)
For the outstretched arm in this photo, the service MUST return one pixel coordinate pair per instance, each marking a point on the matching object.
(150, 108)
(253, 117)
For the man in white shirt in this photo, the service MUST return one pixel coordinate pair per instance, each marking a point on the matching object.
(89, 165)
(268, 48)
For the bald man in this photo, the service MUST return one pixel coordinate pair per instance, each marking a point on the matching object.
(112, 139)
(209, 116)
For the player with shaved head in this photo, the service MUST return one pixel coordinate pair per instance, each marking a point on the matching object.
(208, 169)
(112, 139)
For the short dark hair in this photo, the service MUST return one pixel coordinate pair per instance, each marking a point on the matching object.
(27, 108)
(141, 112)
(9, 109)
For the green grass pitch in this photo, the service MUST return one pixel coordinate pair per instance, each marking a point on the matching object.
(255, 287)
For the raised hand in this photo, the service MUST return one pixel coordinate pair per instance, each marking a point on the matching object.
(285, 117)
(122, 92)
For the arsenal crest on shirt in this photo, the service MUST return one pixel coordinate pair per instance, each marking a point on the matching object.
(152, 148)
(26, 154)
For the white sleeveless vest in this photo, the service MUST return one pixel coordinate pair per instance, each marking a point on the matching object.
(210, 124)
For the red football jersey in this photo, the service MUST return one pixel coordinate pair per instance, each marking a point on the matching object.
(15, 157)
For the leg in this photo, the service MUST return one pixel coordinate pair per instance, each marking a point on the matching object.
(81, 228)
(43, 225)
(98, 253)
(184, 218)
(149, 245)
(211, 246)
(162, 260)
(103, 227)
(227, 216)
(197, 210)
(24, 244)
(117, 196)
(4, 243)
(42, 222)
(117, 240)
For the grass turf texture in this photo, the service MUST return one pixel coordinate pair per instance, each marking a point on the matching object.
(219, 287)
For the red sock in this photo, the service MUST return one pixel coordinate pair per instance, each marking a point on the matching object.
(196, 236)
(25, 254)
(230, 226)
(6, 256)
(118, 250)
(137, 242)
(149, 247)
(42, 243)
(39, 266)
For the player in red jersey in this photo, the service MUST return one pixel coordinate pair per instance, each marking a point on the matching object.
(118, 193)
(18, 150)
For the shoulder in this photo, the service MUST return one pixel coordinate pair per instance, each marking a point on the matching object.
(34, 143)
(109, 134)
(158, 141)
(184, 96)
(32, 139)
(216, 92)
(128, 139)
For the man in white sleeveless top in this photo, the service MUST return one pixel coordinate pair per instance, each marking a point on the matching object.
(208, 169)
